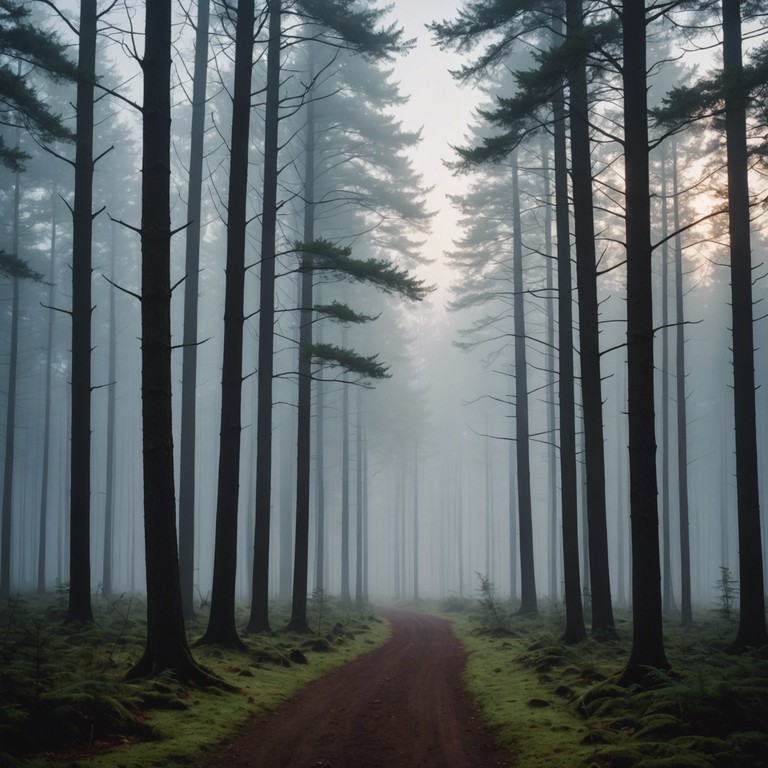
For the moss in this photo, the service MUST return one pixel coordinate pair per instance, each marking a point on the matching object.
(710, 710)
(71, 699)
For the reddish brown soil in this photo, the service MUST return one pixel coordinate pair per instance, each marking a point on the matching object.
(401, 706)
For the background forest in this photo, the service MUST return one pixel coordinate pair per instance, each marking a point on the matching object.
(361, 407)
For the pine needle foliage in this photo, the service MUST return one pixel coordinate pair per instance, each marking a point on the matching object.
(343, 313)
(367, 367)
(20, 103)
(325, 256)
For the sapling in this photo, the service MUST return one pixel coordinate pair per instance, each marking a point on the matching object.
(490, 604)
(728, 590)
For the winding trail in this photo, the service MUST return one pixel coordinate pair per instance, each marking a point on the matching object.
(402, 705)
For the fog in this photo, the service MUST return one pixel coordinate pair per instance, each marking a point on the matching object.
(431, 471)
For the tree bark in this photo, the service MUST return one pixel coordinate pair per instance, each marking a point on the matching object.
(752, 628)
(259, 618)
(574, 611)
(43, 533)
(304, 418)
(221, 627)
(528, 602)
(647, 638)
(166, 647)
(79, 608)
(188, 433)
(589, 336)
(686, 610)
(109, 503)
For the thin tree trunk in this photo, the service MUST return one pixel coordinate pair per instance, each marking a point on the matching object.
(550, 366)
(686, 610)
(42, 547)
(304, 420)
(589, 339)
(79, 608)
(416, 523)
(574, 612)
(109, 503)
(667, 602)
(512, 493)
(647, 637)
(188, 434)
(359, 565)
(752, 628)
(10, 437)
(346, 598)
(259, 618)
(528, 603)
(221, 620)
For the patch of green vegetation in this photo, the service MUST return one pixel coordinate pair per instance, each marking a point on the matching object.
(558, 706)
(64, 698)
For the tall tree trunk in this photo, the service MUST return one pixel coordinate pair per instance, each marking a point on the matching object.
(221, 620)
(416, 523)
(346, 598)
(10, 418)
(589, 338)
(550, 366)
(166, 647)
(359, 531)
(43, 533)
(667, 602)
(647, 638)
(79, 608)
(259, 618)
(686, 611)
(304, 419)
(528, 603)
(574, 612)
(512, 493)
(752, 628)
(109, 503)
(320, 486)
(191, 288)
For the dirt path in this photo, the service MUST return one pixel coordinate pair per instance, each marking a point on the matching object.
(400, 706)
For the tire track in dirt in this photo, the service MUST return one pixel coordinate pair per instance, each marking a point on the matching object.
(401, 706)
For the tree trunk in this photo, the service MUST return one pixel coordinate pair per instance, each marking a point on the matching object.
(550, 366)
(10, 435)
(574, 612)
(221, 627)
(346, 598)
(79, 608)
(686, 611)
(109, 503)
(166, 647)
(359, 563)
(589, 336)
(187, 473)
(43, 533)
(320, 486)
(647, 637)
(304, 419)
(752, 628)
(259, 618)
(416, 523)
(512, 493)
(528, 603)
(667, 602)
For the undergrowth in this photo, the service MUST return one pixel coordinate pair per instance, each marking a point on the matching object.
(559, 706)
(64, 697)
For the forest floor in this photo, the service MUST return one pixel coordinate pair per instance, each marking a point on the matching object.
(403, 704)
(472, 684)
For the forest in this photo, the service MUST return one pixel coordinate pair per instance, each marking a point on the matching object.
(272, 354)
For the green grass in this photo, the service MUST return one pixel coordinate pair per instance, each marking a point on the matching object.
(64, 698)
(559, 706)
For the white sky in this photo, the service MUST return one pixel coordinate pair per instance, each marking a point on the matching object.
(441, 108)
